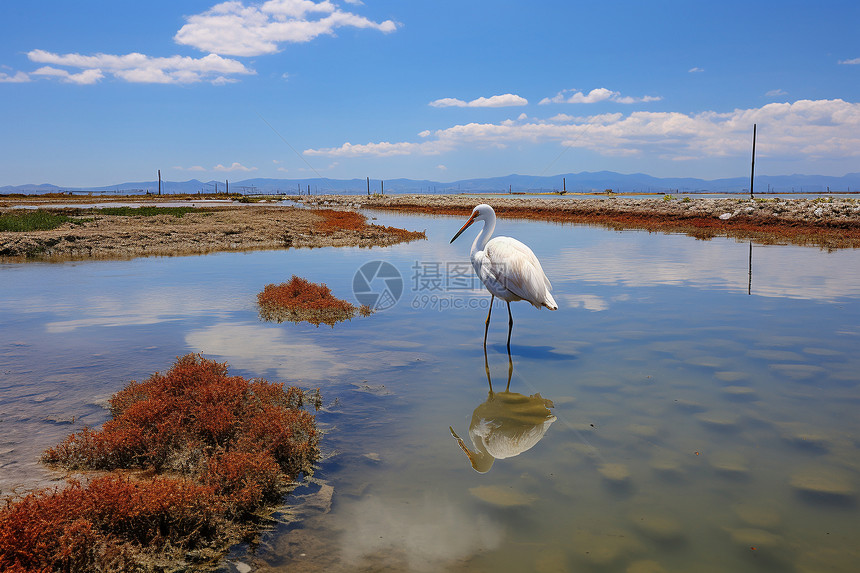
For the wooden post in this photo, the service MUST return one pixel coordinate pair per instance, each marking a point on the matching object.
(227, 186)
(381, 187)
(159, 181)
(368, 186)
(752, 168)
(563, 185)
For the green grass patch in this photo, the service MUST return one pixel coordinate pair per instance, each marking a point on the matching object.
(36, 220)
(147, 211)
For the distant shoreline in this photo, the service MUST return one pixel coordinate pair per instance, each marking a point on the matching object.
(829, 223)
(825, 222)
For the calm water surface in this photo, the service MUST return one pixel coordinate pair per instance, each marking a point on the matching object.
(677, 413)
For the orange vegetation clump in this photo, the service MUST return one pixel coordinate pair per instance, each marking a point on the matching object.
(300, 300)
(210, 450)
(98, 526)
(334, 221)
(337, 220)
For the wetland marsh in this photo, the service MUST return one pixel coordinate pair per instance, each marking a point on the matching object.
(704, 394)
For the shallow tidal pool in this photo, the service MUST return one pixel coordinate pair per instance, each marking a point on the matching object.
(692, 405)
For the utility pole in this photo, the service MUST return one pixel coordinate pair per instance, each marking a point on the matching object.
(159, 181)
(752, 168)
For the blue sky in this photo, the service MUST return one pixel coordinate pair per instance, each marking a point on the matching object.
(95, 93)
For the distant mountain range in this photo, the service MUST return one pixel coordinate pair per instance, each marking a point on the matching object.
(573, 182)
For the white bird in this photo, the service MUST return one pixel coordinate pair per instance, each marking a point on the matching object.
(507, 267)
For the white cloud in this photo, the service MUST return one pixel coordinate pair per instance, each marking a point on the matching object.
(695, 70)
(138, 68)
(504, 100)
(776, 93)
(235, 29)
(594, 96)
(630, 99)
(85, 77)
(805, 128)
(563, 118)
(442, 167)
(236, 166)
(852, 62)
(381, 149)
(17, 78)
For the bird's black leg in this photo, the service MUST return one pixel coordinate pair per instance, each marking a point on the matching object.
(510, 370)
(487, 369)
(487, 324)
(510, 326)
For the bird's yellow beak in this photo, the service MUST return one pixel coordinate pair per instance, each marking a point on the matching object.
(464, 227)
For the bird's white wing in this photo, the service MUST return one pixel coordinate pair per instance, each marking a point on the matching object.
(516, 267)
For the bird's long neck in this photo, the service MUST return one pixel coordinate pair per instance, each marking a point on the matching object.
(484, 236)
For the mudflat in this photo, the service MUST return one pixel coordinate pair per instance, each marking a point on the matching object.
(91, 234)
(826, 222)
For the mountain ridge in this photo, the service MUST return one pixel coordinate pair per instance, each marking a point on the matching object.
(584, 181)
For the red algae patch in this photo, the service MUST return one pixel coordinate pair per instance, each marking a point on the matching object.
(299, 300)
(349, 221)
(196, 459)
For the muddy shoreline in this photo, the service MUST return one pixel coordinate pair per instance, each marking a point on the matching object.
(210, 229)
(828, 223)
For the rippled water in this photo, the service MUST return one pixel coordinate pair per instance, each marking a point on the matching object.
(692, 415)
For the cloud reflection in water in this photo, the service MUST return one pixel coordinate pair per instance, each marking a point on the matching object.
(658, 260)
(425, 534)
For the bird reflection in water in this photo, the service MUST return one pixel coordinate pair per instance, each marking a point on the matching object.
(506, 425)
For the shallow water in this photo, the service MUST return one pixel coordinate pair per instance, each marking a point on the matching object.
(703, 416)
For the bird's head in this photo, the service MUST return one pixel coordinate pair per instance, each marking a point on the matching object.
(482, 212)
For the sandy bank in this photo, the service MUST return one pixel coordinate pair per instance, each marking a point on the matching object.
(240, 228)
(829, 223)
